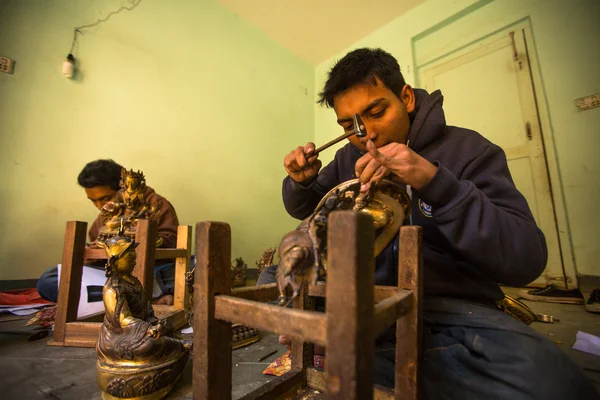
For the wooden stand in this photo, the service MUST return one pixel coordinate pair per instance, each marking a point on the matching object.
(70, 332)
(347, 329)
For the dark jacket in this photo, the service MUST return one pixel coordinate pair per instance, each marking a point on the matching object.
(478, 230)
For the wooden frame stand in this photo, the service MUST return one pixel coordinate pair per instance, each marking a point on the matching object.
(347, 329)
(70, 332)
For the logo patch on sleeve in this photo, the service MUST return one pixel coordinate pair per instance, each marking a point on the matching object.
(425, 208)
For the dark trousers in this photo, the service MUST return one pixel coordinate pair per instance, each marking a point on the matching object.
(475, 351)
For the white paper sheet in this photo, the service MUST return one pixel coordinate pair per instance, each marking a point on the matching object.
(587, 343)
(23, 310)
(90, 277)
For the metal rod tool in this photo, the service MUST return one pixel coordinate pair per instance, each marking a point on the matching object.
(358, 130)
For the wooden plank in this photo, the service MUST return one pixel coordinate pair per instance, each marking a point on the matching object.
(182, 265)
(316, 379)
(260, 293)
(409, 329)
(69, 288)
(389, 310)
(380, 292)
(162, 254)
(306, 325)
(382, 393)
(280, 388)
(79, 334)
(145, 234)
(175, 318)
(384, 292)
(349, 309)
(92, 253)
(211, 374)
(85, 334)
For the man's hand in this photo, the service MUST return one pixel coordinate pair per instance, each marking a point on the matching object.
(404, 164)
(301, 165)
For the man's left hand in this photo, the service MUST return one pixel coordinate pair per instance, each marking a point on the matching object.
(397, 159)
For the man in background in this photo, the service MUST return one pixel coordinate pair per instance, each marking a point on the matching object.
(101, 181)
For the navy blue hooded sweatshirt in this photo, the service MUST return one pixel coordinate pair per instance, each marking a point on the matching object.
(478, 230)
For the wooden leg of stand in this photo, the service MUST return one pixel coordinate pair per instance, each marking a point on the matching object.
(302, 352)
(182, 265)
(409, 328)
(350, 315)
(146, 233)
(212, 337)
(70, 278)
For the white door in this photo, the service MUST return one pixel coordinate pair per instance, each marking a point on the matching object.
(489, 90)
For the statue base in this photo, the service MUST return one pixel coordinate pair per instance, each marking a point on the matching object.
(152, 383)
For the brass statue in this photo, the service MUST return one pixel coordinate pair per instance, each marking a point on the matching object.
(136, 360)
(303, 252)
(266, 260)
(129, 206)
(239, 273)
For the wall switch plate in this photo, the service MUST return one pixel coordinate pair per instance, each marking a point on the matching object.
(7, 65)
(588, 102)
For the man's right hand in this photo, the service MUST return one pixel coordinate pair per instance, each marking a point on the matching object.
(301, 164)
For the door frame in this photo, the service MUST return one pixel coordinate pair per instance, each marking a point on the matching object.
(549, 145)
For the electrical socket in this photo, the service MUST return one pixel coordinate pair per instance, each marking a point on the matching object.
(7, 65)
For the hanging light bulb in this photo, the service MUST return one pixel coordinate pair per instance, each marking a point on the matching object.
(68, 66)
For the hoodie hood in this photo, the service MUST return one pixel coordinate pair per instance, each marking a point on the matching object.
(428, 121)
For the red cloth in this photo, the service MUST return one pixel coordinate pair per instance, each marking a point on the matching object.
(21, 297)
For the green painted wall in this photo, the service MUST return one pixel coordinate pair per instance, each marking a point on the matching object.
(203, 103)
(565, 38)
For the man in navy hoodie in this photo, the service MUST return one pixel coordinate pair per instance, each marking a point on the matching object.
(478, 232)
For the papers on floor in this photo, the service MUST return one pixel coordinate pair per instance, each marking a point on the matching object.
(24, 310)
(587, 343)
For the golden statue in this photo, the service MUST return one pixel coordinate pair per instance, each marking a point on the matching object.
(303, 252)
(266, 260)
(239, 273)
(135, 358)
(129, 206)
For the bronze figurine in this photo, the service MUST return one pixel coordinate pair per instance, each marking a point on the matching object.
(135, 357)
(129, 206)
(239, 273)
(266, 260)
(303, 252)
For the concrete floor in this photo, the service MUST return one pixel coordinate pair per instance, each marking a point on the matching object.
(33, 370)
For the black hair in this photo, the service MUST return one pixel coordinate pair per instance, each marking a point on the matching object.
(100, 173)
(362, 66)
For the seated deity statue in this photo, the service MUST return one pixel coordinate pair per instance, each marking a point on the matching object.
(135, 357)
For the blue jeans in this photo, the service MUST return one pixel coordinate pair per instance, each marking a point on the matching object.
(47, 285)
(475, 351)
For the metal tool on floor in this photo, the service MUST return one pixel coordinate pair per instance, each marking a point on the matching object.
(549, 319)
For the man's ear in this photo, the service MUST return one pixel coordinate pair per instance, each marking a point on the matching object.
(407, 96)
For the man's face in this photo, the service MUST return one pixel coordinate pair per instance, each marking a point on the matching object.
(100, 195)
(384, 114)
